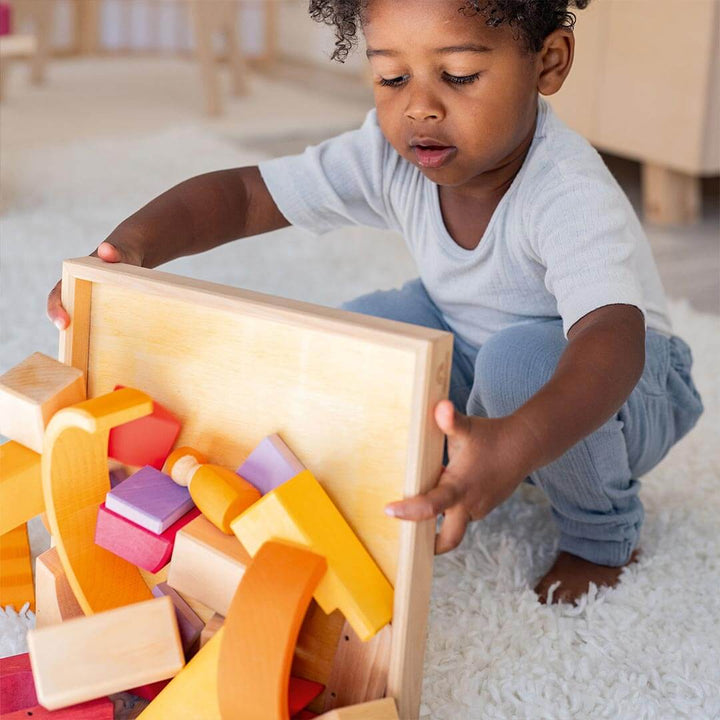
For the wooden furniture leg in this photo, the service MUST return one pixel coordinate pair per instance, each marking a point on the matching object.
(670, 197)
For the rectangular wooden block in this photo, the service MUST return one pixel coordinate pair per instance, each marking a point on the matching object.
(21, 494)
(88, 657)
(189, 624)
(207, 564)
(16, 580)
(137, 544)
(151, 499)
(55, 600)
(374, 382)
(32, 392)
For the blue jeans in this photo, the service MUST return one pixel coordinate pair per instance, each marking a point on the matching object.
(593, 487)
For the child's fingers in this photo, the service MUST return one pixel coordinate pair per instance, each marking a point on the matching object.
(55, 310)
(424, 507)
(109, 253)
(452, 530)
(449, 420)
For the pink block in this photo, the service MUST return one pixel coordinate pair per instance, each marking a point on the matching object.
(5, 19)
(270, 464)
(136, 544)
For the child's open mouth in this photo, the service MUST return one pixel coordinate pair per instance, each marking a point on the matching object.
(433, 156)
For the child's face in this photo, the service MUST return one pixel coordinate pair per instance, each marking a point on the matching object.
(481, 119)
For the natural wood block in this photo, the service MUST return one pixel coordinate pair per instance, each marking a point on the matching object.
(146, 440)
(270, 464)
(151, 499)
(54, 596)
(207, 564)
(16, 580)
(261, 630)
(373, 382)
(21, 495)
(189, 624)
(76, 447)
(32, 392)
(210, 628)
(384, 709)
(359, 669)
(300, 511)
(670, 197)
(136, 544)
(140, 644)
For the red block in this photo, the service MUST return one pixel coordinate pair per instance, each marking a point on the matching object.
(18, 699)
(136, 544)
(304, 715)
(151, 691)
(5, 19)
(302, 692)
(145, 441)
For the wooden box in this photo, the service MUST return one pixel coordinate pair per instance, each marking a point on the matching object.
(351, 395)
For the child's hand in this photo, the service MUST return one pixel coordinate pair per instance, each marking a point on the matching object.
(109, 253)
(488, 459)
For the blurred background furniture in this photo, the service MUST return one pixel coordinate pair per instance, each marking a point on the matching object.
(641, 89)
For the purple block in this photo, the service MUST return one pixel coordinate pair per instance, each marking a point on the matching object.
(151, 499)
(117, 476)
(270, 464)
(189, 624)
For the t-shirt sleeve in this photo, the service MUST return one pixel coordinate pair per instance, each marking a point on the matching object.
(585, 234)
(337, 183)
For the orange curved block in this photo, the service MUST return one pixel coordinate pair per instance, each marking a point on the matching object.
(75, 482)
(261, 630)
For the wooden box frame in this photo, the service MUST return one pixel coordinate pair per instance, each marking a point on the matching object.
(353, 396)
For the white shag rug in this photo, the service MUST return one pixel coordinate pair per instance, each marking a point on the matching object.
(648, 649)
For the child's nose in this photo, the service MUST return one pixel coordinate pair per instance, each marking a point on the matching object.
(424, 105)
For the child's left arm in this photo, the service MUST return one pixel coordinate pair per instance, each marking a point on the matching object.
(490, 457)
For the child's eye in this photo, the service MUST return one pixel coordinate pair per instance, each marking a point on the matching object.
(393, 82)
(462, 79)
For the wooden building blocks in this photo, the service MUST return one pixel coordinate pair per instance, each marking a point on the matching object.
(100, 709)
(210, 628)
(384, 709)
(270, 464)
(262, 628)
(189, 624)
(140, 644)
(146, 440)
(151, 499)
(16, 580)
(32, 392)
(136, 544)
(76, 446)
(21, 496)
(301, 512)
(207, 565)
(220, 493)
(53, 596)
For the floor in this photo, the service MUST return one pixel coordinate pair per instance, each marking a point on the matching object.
(288, 108)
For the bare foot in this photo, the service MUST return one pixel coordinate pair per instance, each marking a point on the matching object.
(575, 576)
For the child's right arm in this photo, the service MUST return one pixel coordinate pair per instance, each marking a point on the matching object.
(196, 215)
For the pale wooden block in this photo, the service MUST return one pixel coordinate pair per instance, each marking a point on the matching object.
(17, 46)
(211, 627)
(32, 392)
(55, 600)
(670, 197)
(92, 656)
(207, 564)
(384, 709)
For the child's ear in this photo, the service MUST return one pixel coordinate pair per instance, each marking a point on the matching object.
(555, 60)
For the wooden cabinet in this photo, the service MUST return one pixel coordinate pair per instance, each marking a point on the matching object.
(645, 84)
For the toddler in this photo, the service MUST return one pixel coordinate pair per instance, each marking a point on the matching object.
(566, 371)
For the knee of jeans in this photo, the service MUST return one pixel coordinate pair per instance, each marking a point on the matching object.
(514, 364)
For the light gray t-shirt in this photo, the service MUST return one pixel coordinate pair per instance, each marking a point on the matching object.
(563, 241)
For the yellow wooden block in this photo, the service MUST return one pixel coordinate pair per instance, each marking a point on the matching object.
(108, 652)
(207, 564)
(16, 581)
(193, 693)
(300, 511)
(75, 482)
(384, 709)
(21, 495)
(32, 392)
(54, 597)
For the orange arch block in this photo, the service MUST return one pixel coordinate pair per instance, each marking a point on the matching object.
(75, 480)
(261, 631)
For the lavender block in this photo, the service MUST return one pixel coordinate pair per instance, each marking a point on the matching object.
(270, 464)
(189, 624)
(151, 499)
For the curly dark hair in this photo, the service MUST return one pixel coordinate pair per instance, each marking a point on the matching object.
(534, 20)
